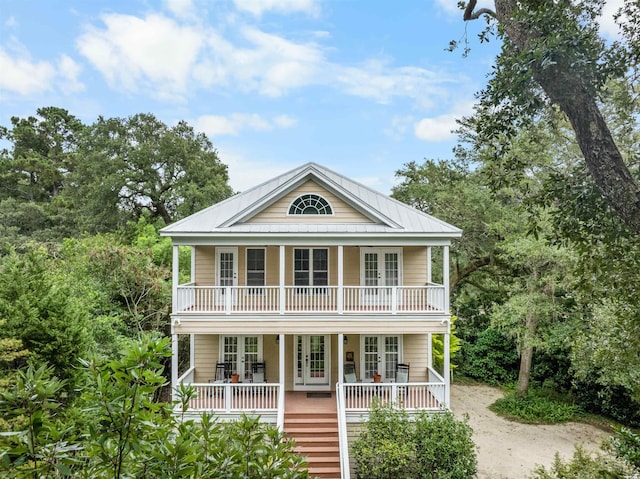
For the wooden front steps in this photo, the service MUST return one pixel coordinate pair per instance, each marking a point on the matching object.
(316, 436)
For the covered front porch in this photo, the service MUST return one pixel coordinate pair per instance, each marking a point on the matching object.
(297, 364)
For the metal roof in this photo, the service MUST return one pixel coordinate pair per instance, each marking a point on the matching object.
(388, 216)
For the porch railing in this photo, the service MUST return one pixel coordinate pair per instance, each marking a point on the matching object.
(235, 398)
(359, 397)
(310, 299)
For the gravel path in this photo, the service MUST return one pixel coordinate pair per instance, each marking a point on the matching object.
(510, 450)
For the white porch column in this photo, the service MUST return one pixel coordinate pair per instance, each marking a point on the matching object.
(281, 359)
(174, 364)
(445, 276)
(193, 265)
(340, 280)
(428, 264)
(175, 278)
(283, 296)
(430, 350)
(446, 370)
(340, 357)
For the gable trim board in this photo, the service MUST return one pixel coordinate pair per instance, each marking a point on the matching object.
(388, 215)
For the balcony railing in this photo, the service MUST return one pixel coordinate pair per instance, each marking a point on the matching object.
(310, 299)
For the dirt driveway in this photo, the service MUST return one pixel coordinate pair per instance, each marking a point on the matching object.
(509, 450)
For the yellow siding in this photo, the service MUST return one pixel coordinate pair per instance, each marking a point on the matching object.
(415, 353)
(205, 265)
(414, 266)
(206, 356)
(271, 353)
(353, 345)
(277, 212)
(288, 363)
(351, 268)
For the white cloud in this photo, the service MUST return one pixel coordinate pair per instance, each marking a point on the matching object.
(608, 26)
(172, 59)
(21, 74)
(399, 126)
(245, 173)
(11, 22)
(154, 53)
(69, 70)
(258, 7)
(449, 7)
(284, 121)
(216, 125)
(380, 82)
(436, 129)
(181, 8)
(440, 128)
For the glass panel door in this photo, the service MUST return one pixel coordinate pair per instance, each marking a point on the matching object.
(241, 352)
(226, 274)
(380, 354)
(312, 360)
(371, 357)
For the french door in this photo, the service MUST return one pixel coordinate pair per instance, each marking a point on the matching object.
(312, 360)
(241, 352)
(380, 354)
(379, 267)
(226, 275)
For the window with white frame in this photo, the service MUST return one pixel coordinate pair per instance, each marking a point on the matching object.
(311, 268)
(310, 204)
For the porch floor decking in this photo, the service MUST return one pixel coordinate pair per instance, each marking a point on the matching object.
(298, 402)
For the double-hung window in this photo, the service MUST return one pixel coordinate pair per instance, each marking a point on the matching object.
(311, 268)
(255, 270)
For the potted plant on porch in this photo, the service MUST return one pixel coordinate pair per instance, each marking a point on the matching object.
(377, 377)
(235, 378)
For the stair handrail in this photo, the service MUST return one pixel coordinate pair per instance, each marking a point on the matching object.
(342, 432)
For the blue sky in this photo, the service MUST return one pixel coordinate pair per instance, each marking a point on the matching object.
(360, 86)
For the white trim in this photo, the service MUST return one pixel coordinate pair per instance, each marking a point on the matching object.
(240, 353)
(310, 249)
(246, 268)
(304, 386)
(174, 365)
(312, 216)
(381, 361)
(380, 252)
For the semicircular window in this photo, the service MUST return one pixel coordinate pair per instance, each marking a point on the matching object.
(310, 204)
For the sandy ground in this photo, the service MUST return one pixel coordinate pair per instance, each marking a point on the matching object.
(509, 450)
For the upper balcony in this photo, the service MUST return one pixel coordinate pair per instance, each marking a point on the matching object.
(228, 300)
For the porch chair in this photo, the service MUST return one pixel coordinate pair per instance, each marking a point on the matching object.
(350, 373)
(223, 372)
(258, 372)
(402, 373)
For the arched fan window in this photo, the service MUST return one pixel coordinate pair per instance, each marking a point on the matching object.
(310, 204)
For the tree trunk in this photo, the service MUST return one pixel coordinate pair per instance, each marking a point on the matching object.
(526, 355)
(567, 89)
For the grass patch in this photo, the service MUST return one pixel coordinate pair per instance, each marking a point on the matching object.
(535, 409)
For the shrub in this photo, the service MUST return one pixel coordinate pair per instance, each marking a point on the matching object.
(534, 409)
(582, 466)
(436, 446)
(492, 358)
(626, 445)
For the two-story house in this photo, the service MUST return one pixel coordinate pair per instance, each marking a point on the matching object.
(312, 294)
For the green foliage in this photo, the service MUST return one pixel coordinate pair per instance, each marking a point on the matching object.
(41, 312)
(119, 430)
(433, 445)
(438, 347)
(535, 409)
(491, 358)
(583, 466)
(626, 445)
(36, 447)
